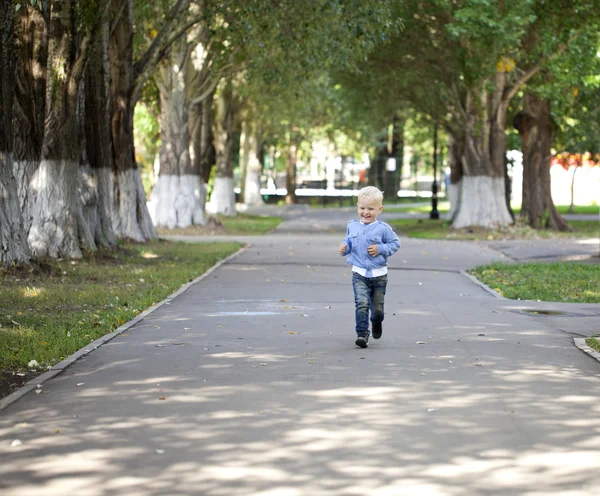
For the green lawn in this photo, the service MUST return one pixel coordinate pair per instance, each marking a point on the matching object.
(593, 343)
(561, 282)
(241, 224)
(441, 229)
(50, 310)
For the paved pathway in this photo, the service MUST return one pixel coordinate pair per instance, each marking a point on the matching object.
(249, 383)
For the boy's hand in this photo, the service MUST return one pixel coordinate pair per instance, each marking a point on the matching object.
(372, 250)
(342, 248)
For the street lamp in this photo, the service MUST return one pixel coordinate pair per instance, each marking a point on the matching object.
(434, 214)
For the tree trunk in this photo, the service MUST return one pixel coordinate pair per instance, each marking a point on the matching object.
(244, 157)
(13, 244)
(175, 197)
(482, 197)
(290, 169)
(54, 230)
(252, 194)
(222, 200)
(31, 52)
(455, 158)
(97, 180)
(536, 132)
(131, 218)
(572, 205)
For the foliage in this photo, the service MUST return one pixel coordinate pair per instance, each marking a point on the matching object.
(564, 282)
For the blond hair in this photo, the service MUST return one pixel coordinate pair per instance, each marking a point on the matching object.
(370, 193)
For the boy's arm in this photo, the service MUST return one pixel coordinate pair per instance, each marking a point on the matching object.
(390, 242)
(347, 243)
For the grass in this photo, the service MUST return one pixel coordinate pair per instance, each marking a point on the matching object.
(560, 282)
(442, 229)
(241, 224)
(593, 343)
(49, 311)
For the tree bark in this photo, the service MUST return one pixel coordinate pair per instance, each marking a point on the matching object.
(223, 197)
(13, 244)
(97, 180)
(290, 169)
(31, 52)
(131, 218)
(455, 158)
(175, 198)
(54, 230)
(482, 197)
(252, 194)
(535, 128)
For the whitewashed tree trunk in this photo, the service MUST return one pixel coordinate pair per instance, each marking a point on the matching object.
(222, 200)
(13, 247)
(31, 51)
(131, 219)
(482, 203)
(96, 186)
(53, 230)
(55, 215)
(482, 200)
(252, 194)
(174, 200)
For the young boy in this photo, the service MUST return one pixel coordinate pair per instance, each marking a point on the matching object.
(369, 243)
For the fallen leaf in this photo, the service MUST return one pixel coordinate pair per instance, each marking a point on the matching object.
(80, 384)
(421, 342)
(303, 315)
(264, 364)
(161, 398)
(16, 443)
(32, 363)
(283, 300)
(267, 280)
(57, 431)
(292, 332)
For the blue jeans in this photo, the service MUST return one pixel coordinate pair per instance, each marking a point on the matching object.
(369, 293)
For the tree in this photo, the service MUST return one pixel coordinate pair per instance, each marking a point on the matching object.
(13, 245)
(571, 36)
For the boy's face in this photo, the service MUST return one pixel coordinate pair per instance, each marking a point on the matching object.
(368, 210)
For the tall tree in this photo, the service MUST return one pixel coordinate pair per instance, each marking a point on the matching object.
(54, 230)
(13, 245)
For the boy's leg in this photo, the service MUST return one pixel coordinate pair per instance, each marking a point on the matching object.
(378, 287)
(362, 297)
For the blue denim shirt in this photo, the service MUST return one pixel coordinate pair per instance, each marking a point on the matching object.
(359, 236)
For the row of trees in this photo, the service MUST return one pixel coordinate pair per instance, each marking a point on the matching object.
(476, 69)
(281, 72)
(74, 70)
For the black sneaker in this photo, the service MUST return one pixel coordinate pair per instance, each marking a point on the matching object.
(362, 341)
(377, 330)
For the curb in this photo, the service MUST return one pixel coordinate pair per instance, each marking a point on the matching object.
(580, 343)
(94, 345)
(484, 286)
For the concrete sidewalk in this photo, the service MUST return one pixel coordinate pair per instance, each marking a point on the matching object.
(249, 383)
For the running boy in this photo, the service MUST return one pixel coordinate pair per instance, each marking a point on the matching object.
(369, 243)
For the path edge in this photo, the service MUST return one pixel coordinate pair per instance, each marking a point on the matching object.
(482, 285)
(37, 382)
(580, 343)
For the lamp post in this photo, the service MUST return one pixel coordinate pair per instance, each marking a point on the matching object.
(434, 214)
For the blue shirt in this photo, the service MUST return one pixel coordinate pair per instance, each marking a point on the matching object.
(359, 236)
